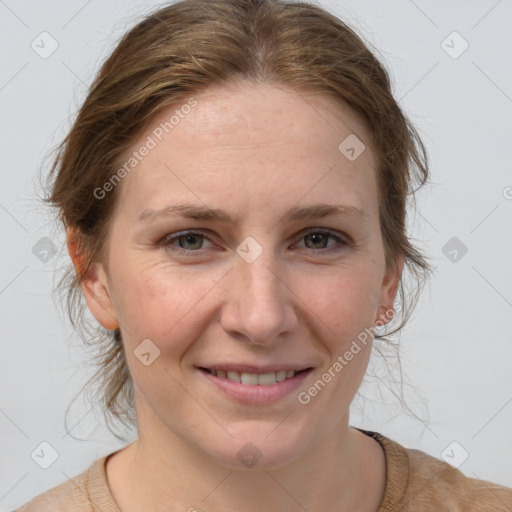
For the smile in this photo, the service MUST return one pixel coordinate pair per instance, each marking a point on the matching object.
(263, 387)
(254, 379)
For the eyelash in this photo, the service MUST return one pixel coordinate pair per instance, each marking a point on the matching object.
(169, 239)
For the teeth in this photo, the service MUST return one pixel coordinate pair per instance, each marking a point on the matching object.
(280, 375)
(267, 379)
(234, 376)
(249, 378)
(253, 379)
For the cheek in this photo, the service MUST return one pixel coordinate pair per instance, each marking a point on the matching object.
(162, 303)
(343, 300)
(345, 315)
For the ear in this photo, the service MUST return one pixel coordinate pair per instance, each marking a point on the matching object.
(94, 284)
(389, 290)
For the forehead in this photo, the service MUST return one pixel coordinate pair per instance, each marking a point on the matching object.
(248, 144)
(264, 111)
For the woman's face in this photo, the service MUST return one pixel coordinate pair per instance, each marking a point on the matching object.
(264, 284)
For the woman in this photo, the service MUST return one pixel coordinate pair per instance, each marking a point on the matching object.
(234, 193)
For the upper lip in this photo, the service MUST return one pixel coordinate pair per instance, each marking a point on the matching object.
(261, 369)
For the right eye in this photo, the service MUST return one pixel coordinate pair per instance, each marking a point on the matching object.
(188, 241)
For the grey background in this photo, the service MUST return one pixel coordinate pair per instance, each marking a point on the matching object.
(457, 350)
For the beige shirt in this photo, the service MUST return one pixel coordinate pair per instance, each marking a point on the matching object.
(415, 482)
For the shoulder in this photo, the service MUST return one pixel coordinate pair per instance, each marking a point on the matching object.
(417, 481)
(433, 479)
(73, 494)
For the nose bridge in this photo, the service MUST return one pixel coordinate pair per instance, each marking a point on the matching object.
(257, 267)
(262, 280)
(260, 306)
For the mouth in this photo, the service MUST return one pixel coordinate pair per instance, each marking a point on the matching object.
(253, 378)
(257, 386)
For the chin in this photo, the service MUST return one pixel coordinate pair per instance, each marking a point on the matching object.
(258, 448)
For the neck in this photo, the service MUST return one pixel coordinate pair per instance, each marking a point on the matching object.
(159, 471)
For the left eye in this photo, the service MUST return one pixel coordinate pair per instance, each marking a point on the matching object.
(319, 238)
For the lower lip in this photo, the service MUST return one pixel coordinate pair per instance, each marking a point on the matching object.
(256, 394)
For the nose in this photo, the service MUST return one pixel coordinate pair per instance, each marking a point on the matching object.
(260, 307)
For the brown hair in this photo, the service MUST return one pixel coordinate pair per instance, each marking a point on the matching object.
(182, 49)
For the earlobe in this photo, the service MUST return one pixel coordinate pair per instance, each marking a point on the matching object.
(97, 294)
(389, 290)
(74, 250)
(94, 284)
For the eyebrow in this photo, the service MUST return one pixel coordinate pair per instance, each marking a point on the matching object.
(204, 213)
